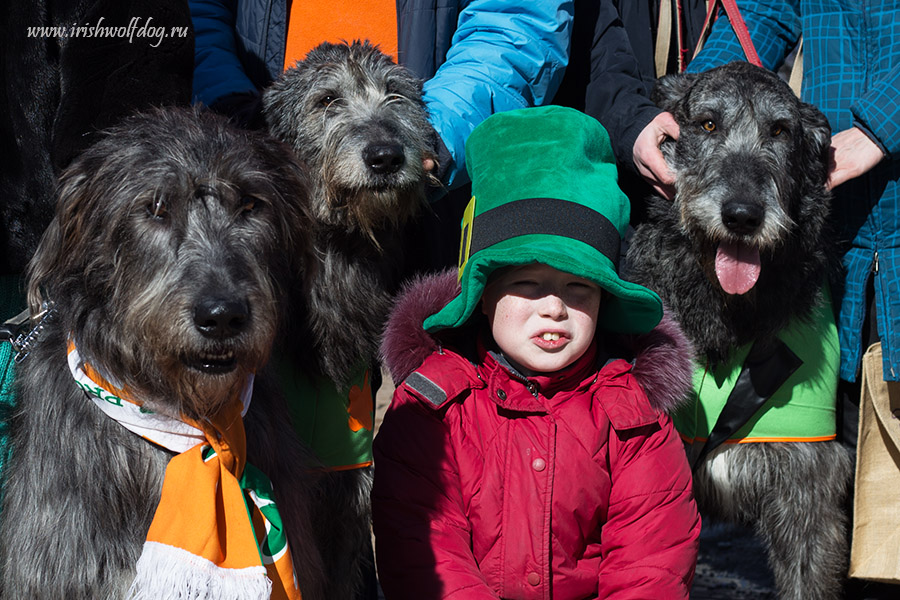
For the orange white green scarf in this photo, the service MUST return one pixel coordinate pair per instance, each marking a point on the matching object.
(206, 541)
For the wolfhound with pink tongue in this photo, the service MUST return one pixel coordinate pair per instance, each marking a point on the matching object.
(743, 257)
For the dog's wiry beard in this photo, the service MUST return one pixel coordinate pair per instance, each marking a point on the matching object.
(180, 362)
(158, 369)
(369, 211)
(200, 395)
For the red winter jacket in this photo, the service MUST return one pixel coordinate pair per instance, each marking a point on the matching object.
(567, 486)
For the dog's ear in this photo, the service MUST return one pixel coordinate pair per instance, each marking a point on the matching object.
(57, 252)
(816, 142)
(42, 265)
(671, 89)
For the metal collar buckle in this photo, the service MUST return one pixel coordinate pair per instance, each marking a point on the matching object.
(16, 332)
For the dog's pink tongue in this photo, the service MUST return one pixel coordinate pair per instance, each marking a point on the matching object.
(737, 267)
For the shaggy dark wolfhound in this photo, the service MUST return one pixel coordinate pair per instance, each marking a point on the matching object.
(357, 120)
(743, 251)
(166, 264)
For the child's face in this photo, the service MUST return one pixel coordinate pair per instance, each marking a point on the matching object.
(542, 319)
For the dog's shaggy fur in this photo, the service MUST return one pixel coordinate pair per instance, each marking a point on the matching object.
(358, 122)
(166, 262)
(751, 164)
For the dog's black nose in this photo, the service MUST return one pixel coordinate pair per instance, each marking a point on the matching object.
(742, 217)
(384, 159)
(218, 318)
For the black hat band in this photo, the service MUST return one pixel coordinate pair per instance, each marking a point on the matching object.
(547, 216)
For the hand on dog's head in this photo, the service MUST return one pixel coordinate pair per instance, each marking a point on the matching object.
(673, 94)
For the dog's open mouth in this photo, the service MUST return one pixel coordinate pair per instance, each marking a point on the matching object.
(213, 364)
(737, 267)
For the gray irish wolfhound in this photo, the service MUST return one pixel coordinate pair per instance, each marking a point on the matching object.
(165, 264)
(741, 253)
(357, 120)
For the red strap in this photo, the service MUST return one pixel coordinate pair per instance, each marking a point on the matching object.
(679, 35)
(740, 29)
(737, 22)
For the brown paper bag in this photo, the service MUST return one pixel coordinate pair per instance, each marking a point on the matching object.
(875, 553)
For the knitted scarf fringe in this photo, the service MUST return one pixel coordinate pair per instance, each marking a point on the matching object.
(169, 573)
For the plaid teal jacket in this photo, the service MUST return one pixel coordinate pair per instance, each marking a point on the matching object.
(851, 72)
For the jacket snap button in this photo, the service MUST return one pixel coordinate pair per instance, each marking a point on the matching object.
(534, 578)
(501, 394)
(539, 464)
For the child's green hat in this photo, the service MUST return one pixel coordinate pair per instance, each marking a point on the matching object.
(544, 189)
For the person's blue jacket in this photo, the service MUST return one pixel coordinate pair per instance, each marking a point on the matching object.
(851, 68)
(478, 57)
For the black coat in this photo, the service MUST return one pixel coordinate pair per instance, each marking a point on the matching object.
(612, 72)
(57, 92)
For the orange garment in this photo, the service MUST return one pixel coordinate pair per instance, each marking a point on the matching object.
(310, 23)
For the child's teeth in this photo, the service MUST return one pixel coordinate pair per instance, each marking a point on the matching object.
(551, 337)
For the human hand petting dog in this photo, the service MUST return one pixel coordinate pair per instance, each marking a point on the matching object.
(852, 154)
(649, 159)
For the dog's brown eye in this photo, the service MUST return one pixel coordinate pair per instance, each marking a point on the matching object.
(327, 100)
(247, 204)
(777, 130)
(709, 125)
(157, 208)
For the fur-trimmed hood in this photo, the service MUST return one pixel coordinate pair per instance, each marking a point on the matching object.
(663, 362)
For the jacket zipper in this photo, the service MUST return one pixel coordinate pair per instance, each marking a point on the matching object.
(528, 384)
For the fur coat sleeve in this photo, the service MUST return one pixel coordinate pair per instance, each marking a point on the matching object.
(58, 92)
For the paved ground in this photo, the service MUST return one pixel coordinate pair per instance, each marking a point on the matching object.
(731, 565)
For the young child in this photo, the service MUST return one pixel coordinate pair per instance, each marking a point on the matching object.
(521, 456)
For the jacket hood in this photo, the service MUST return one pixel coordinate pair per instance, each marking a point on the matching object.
(663, 358)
